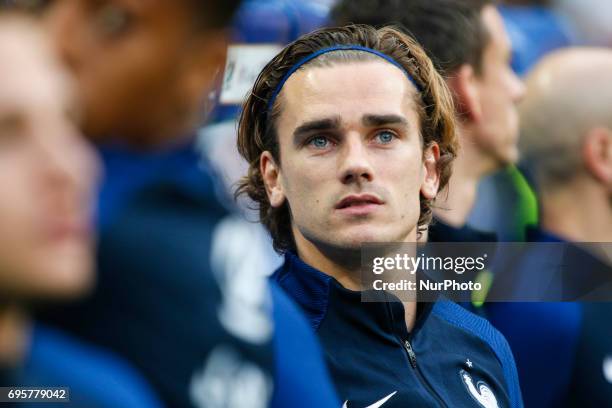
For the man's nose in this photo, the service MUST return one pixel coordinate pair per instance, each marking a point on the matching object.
(60, 24)
(69, 166)
(354, 161)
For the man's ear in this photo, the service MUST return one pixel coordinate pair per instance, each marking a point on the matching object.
(597, 154)
(431, 174)
(465, 89)
(271, 175)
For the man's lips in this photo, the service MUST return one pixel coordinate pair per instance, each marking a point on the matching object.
(61, 229)
(359, 204)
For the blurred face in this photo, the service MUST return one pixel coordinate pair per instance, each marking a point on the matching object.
(499, 91)
(46, 174)
(352, 167)
(141, 65)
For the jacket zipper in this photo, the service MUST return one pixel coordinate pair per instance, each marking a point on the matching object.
(413, 364)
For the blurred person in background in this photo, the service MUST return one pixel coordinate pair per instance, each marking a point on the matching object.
(564, 350)
(47, 175)
(349, 133)
(179, 291)
(469, 46)
(506, 202)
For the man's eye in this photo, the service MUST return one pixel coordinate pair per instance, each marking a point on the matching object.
(385, 137)
(319, 142)
(113, 20)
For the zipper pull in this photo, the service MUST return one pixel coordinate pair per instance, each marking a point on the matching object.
(411, 354)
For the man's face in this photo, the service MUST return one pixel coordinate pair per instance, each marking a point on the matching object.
(141, 66)
(499, 90)
(351, 156)
(46, 174)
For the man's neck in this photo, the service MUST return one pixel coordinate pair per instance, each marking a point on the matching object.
(586, 221)
(455, 202)
(14, 335)
(345, 267)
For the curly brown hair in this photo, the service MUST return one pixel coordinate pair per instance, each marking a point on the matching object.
(257, 125)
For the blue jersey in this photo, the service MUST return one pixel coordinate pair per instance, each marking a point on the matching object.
(563, 349)
(95, 377)
(451, 357)
(180, 296)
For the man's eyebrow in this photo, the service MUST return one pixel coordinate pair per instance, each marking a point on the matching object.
(315, 125)
(381, 120)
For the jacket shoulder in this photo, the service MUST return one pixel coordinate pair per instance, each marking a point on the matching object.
(476, 326)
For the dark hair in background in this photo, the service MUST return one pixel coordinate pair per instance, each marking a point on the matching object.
(217, 13)
(451, 31)
(210, 13)
(257, 126)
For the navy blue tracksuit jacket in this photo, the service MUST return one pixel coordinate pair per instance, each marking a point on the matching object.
(451, 358)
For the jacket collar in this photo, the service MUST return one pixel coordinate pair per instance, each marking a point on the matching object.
(316, 291)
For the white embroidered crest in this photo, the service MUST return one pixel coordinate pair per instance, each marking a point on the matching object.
(607, 369)
(479, 391)
(237, 262)
(227, 380)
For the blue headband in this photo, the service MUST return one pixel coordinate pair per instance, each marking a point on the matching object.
(314, 55)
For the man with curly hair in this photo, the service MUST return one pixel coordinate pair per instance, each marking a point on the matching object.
(349, 134)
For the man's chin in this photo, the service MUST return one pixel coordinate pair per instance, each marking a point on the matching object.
(356, 239)
(352, 237)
